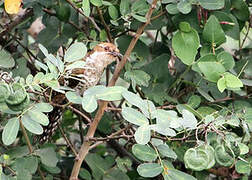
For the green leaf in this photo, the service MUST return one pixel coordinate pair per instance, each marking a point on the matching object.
(111, 93)
(232, 81)
(21, 68)
(148, 109)
(84, 174)
(10, 131)
(243, 167)
(149, 169)
(172, 9)
(210, 152)
(166, 151)
(189, 120)
(228, 81)
(73, 97)
(212, 5)
(95, 90)
(75, 52)
(124, 7)
(222, 157)
(113, 12)
(166, 131)
(115, 174)
(221, 84)
(196, 159)
(213, 33)
(140, 7)
(24, 175)
(38, 117)
(4, 91)
(143, 134)
(211, 70)
(164, 117)
(47, 156)
(76, 64)
(133, 116)
(244, 149)
(52, 170)
(184, 6)
(133, 98)
(139, 18)
(17, 96)
(31, 125)
(103, 35)
(89, 103)
(185, 27)
(86, 7)
(185, 45)
(226, 59)
(144, 152)
(123, 164)
(57, 62)
(96, 2)
(44, 107)
(174, 174)
(98, 165)
(138, 77)
(194, 101)
(29, 164)
(240, 10)
(6, 60)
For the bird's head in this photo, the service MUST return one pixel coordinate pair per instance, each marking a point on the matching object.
(108, 52)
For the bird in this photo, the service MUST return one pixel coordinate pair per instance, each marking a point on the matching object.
(96, 61)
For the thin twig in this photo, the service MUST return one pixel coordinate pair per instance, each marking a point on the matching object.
(103, 104)
(67, 141)
(245, 37)
(79, 11)
(29, 145)
(26, 136)
(80, 113)
(105, 25)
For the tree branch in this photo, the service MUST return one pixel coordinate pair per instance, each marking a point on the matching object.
(103, 104)
(18, 20)
(105, 25)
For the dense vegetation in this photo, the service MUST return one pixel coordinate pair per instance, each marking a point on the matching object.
(177, 106)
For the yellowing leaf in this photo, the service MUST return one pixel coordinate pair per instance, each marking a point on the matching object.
(12, 6)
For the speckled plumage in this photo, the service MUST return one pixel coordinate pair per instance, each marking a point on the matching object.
(97, 60)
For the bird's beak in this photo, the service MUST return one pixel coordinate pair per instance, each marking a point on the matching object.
(117, 54)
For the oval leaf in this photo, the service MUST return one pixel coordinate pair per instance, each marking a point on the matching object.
(144, 152)
(31, 125)
(89, 103)
(143, 134)
(75, 52)
(38, 117)
(149, 169)
(44, 107)
(10, 131)
(111, 93)
(185, 45)
(133, 99)
(73, 97)
(133, 116)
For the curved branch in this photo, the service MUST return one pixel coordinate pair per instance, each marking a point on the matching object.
(103, 104)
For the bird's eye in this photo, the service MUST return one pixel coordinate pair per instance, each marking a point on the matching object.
(106, 48)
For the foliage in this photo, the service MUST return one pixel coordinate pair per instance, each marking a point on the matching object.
(181, 108)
